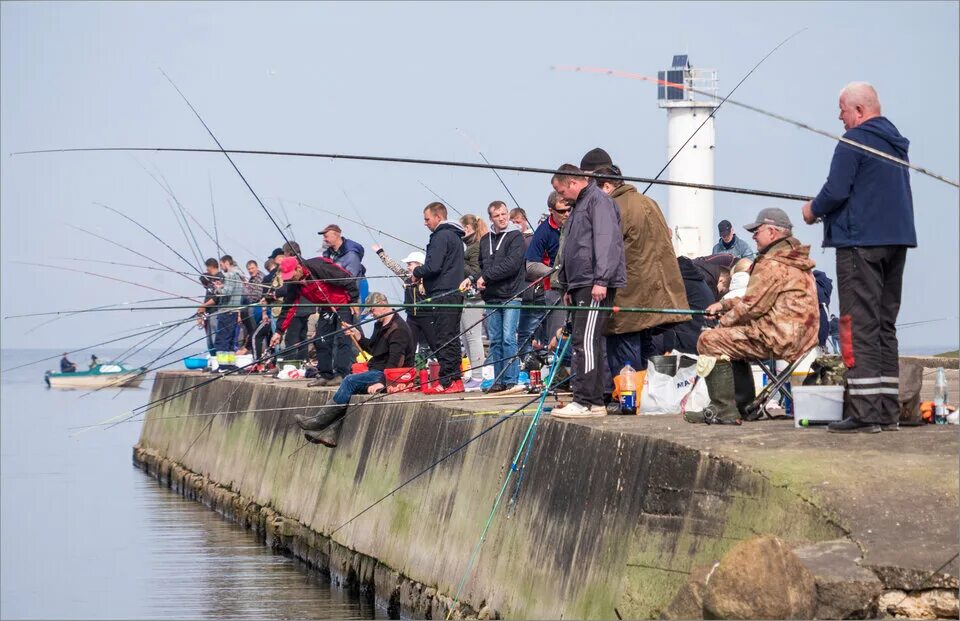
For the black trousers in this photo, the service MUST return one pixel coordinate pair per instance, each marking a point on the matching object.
(419, 327)
(442, 329)
(335, 354)
(870, 281)
(296, 334)
(591, 372)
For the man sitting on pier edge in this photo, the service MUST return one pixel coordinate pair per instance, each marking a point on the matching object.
(391, 346)
(777, 318)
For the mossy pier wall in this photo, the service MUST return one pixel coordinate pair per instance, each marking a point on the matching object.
(608, 522)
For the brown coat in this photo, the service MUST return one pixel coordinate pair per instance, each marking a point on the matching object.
(779, 310)
(653, 275)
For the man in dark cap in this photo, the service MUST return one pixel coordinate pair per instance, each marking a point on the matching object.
(731, 244)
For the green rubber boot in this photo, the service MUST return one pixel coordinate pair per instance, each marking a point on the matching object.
(723, 405)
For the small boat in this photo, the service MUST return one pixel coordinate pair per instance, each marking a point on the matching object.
(109, 375)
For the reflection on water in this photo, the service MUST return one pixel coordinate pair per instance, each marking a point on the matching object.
(84, 534)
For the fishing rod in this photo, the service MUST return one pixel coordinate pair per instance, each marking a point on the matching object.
(363, 223)
(151, 234)
(49, 321)
(121, 246)
(183, 230)
(165, 186)
(342, 217)
(495, 172)
(129, 282)
(714, 110)
(423, 306)
(767, 113)
(210, 184)
(410, 160)
(440, 198)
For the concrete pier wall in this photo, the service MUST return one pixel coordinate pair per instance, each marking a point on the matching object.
(605, 519)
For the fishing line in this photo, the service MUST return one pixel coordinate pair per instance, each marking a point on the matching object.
(447, 163)
(151, 233)
(714, 110)
(121, 246)
(128, 282)
(440, 198)
(495, 172)
(773, 115)
(342, 217)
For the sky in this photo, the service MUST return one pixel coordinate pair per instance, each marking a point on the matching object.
(402, 79)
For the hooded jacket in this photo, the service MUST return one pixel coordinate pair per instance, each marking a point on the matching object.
(349, 257)
(653, 274)
(866, 200)
(779, 311)
(443, 268)
(737, 247)
(738, 285)
(592, 249)
(501, 264)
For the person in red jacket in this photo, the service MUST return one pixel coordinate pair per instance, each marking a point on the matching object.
(306, 283)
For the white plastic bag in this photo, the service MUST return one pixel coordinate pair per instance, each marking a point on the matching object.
(664, 394)
(289, 372)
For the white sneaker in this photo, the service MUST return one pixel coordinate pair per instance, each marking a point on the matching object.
(578, 410)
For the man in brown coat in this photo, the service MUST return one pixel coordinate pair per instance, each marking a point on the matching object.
(653, 275)
(778, 316)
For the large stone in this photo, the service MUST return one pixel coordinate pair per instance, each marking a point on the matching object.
(933, 604)
(688, 602)
(845, 590)
(760, 579)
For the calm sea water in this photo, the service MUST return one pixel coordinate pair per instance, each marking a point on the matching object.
(84, 534)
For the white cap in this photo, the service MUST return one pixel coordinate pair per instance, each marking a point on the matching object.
(415, 257)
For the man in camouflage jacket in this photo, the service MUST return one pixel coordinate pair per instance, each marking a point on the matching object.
(778, 316)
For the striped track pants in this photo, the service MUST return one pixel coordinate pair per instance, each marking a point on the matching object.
(591, 377)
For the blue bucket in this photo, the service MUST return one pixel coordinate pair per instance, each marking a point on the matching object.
(195, 363)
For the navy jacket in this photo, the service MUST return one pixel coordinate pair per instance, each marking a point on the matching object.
(545, 243)
(501, 264)
(443, 269)
(866, 200)
(593, 246)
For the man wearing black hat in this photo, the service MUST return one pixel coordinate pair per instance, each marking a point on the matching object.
(731, 244)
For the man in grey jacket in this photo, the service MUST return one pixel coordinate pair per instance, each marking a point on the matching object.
(591, 270)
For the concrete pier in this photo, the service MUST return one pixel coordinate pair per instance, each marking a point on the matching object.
(612, 517)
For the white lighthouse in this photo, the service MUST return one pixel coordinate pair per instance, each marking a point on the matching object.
(690, 210)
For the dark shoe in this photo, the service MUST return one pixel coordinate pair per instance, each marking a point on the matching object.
(890, 427)
(852, 425)
(334, 381)
(328, 437)
(327, 415)
(723, 406)
(495, 388)
(320, 381)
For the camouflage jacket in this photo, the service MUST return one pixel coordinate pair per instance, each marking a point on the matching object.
(780, 304)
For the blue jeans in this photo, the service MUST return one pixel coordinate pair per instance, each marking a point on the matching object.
(502, 332)
(530, 328)
(357, 383)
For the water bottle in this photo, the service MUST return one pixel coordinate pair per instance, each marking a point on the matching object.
(628, 390)
(940, 398)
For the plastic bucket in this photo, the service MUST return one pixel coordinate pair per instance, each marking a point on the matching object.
(195, 362)
(817, 403)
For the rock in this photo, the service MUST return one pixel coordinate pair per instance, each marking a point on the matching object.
(933, 604)
(760, 579)
(688, 602)
(844, 589)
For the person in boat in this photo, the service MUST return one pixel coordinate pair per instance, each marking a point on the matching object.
(66, 366)
(391, 347)
(94, 361)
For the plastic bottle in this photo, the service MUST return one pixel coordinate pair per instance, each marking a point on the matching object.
(940, 398)
(628, 389)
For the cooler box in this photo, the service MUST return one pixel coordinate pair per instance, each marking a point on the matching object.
(359, 367)
(402, 379)
(817, 403)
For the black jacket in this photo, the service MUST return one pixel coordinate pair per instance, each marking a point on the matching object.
(592, 252)
(443, 269)
(699, 296)
(391, 347)
(501, 264)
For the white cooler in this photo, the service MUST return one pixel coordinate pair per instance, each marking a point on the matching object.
(817, 403)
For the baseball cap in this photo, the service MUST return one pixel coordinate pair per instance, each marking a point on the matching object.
(276, 252)
(771, 215)
(415, 257)
(330, 227)
(288, 266)
(594, 159)
(724, 227)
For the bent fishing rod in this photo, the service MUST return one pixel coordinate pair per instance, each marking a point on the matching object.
(128, 249)
(440, 198)
(369, 228)
(716, 109)
(773, 115)
(128, 282)
(499, 178)
(153, 235)
(426, 162)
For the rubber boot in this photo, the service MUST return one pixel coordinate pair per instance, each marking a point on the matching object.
(745, 390)
(329, 436)
(723, 407)
(327, 415)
